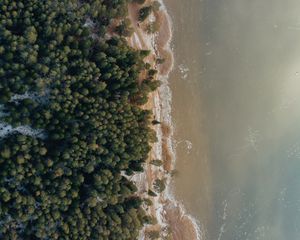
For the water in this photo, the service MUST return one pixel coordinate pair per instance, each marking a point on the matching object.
(236, 110)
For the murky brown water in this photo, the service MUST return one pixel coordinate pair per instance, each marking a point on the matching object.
(236, 110)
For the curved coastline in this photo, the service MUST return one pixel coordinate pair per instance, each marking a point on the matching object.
(172, 218)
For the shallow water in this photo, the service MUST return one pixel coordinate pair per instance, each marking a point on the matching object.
(236, 110)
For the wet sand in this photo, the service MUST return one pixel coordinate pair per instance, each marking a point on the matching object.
(182, 226)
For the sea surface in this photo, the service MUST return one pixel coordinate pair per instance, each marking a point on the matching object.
(236, 112)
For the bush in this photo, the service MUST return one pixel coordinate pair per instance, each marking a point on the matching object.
(148, 202)
(124, 28)
(153, 27)
(151, 193)
(144, 53)
(159, 185)
(160, 60)
(144, 13)
(157, 163)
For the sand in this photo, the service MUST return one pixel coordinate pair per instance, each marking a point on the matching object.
(172, 221)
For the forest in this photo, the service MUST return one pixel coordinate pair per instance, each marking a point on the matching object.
(62, 75)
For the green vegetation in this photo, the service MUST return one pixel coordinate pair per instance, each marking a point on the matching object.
(151, 193)
(159, 185)
(152, 27)
(144, 13)
(157, 163)
(148, 202)
(155, 122)
(68, 184)
(160, 60)
(152, 72)
(124, 28)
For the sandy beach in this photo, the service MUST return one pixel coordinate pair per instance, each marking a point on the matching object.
(172, 221)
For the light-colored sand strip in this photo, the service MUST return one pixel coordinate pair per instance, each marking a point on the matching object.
(172, 221)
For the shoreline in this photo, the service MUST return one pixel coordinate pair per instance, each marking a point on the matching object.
(172, 220)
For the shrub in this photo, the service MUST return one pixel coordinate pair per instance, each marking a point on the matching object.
(159, 185)
(157, 163)
(144, 13)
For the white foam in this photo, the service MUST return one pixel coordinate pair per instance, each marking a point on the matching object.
(184, 70)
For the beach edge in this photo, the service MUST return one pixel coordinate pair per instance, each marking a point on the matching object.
(172, 219)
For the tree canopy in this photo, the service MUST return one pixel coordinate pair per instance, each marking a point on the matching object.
(86, 98)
